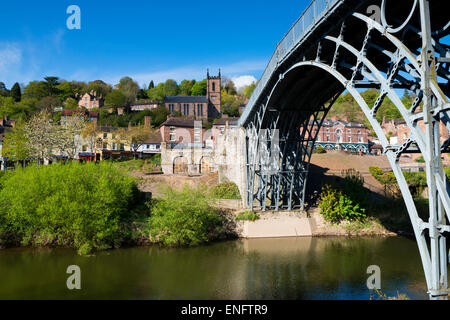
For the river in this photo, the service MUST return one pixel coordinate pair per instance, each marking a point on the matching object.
(289, 268)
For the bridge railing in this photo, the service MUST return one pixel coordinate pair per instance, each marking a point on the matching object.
(303, 25)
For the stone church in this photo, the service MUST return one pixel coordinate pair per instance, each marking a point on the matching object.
(199, 107)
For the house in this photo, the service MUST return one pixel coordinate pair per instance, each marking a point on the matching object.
(90, 116)
(222, 124)
(399, 133)
(199, 107)
(342, 135)
(144, 106)
(183, 132)
(151, 146)
(91, 101)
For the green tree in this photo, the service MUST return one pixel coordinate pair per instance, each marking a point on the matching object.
(151, 85)
(199, 88)
(52, 84)
(4, 92)
(186, 87)
(248, 90)
(16, 93)
(70, 104)
(130, 89)
(48, 103)
(100, 87)
(170, 88)
(115, 99)
(35, 90)
(230, 88)
(157, 93)
(15, 143)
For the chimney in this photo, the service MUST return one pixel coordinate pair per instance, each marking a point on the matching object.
(148, 121)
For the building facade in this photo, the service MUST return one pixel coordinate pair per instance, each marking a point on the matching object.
(144, 106)
(199, 107)
(91, 101)
(342, 135)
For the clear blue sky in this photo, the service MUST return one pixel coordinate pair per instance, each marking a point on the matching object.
(147, 40)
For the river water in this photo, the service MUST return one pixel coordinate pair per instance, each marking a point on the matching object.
(290, 268)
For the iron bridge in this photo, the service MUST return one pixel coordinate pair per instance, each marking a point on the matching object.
(350, 45)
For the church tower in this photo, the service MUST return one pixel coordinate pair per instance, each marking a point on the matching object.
(214, 96)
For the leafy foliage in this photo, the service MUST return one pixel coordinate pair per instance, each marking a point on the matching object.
(247, 216)
(225, 190)
(182, 218)
(345, 201)
(74, 205)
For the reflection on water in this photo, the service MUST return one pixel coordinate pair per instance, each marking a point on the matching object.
(291, 268)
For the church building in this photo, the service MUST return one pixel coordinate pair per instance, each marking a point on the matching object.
(199, 107)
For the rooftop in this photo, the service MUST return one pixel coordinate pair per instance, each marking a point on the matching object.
(223, 121)
(186, 99)
(180, 122)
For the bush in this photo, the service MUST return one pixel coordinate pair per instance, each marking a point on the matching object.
(225, 190)
(182, 218)
(420, 160)
(336, 206)
(74, 205)
(320, 150)
(247, 216)
(345, 201)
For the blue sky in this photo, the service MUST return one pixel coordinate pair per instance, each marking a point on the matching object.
(147, 40)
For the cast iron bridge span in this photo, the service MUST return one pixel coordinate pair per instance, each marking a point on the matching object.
(350, 45)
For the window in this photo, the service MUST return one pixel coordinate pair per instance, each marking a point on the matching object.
(84, 148)
(171, 107)
(360, 139)
(213, 86)
(328, 130)
(349, 130)
(114, 146)
(172, 134)
(200, 109)
(222, 130)
(186, 109)
(122, 147)
(197, 135)
(105, 146)
(105, 136)
(85, 105)
(350, 139)
(328, 138)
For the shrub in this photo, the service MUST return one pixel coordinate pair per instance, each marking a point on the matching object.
(74, 205)
(336, 206)
(420, 160)
(247, 216)
(225, 190)
(183, 218)
(320, 150)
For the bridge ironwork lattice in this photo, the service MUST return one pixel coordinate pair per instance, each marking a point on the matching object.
(335, 47)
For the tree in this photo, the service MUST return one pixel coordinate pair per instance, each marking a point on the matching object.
(35, 90)
(171, 88)
(142, 95)
(89, 133)
(41, 135)
(70, 104)
(157, 93)
(4, 92)
(52, 83)
(115, 99)
(16, 93)
(100, 87)
(186, 87)
(199, 88)
(151, 85)
(130, 89)
(159, 116)
(230, 88)
(69, 135)
(135, 137)
(248, 90)
(48, 103)
(15, 142)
